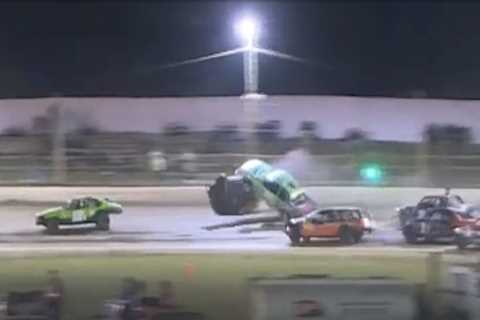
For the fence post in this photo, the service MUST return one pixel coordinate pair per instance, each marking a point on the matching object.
(251, 103)
(58, 146)
(434, 278)
(423, 171)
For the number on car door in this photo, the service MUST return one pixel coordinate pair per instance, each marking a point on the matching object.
(78, 215)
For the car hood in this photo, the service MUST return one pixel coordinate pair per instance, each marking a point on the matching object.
(48, 211)
(114, 205)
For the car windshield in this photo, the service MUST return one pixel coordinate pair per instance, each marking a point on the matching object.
(432, 202)
(455, 201)
(68, 204)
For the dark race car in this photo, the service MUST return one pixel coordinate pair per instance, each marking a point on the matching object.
(434, 218)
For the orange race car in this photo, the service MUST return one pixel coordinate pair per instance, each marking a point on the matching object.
(348, 224)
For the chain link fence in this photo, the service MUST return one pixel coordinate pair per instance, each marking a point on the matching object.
(116, 160)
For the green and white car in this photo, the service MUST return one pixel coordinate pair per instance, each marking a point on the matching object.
(82, 210)
(256, 181)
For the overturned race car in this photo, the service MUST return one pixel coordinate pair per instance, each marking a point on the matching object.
(256, 181)
(82, 210)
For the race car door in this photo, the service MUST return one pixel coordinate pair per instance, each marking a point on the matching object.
(78, 213)
(91, 206)
(322, 224)
(330, 225)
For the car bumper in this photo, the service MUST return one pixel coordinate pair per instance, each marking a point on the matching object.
(40, 221)
(369, 230)
(472, 235)
(116, 210)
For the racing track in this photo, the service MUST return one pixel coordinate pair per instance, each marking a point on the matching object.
(174, 229)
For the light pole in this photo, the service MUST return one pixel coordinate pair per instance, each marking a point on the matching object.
(248, 30)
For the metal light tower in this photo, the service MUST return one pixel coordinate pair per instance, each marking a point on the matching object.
(249, 30)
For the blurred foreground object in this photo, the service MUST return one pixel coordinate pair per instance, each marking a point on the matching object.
(135, 305)
(324, 297)
(457, 290)
(36, 304)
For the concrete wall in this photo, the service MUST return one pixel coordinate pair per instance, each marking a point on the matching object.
(383, 118)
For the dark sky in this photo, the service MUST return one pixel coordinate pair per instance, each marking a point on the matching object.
(108, 48)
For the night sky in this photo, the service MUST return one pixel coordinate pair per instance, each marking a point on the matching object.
(116, 49)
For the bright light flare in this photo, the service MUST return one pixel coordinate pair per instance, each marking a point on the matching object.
(248, 29)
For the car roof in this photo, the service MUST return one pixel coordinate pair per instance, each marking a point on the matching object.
(435, 196)
(283, 178)
(255, 167)
(84, 198)
(441, 195)
(340, 208)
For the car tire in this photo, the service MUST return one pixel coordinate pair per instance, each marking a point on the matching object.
(347, 236)
(409, 235)
(294, 235)
(52, 227)
(358, 236)
(461, 241)
(103, 222)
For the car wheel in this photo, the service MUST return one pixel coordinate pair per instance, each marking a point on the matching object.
(52, 227)
(358, 236)
(346, 236)
(409, 235)
(294, 235)
(461, 241)
(103, 222)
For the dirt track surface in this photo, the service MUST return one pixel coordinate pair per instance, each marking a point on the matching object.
(150, 229)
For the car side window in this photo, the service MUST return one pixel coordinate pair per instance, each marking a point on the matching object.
(346, 215)
(272, 187)
(459, 199)
(455, 201)
(75, 204)
(316, 218)
(283, 194)
(357, 215)
(442, 202)
(330, 216)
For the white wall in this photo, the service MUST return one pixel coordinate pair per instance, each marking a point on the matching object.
(384, 118)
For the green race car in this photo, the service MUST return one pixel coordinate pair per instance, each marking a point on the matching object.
(256, 181)
(81, 210)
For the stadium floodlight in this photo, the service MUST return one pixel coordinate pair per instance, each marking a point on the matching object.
(248, 29)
